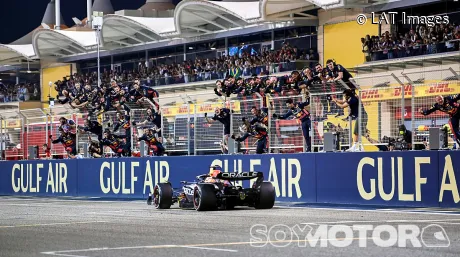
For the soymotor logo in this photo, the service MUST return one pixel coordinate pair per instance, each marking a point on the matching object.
(304, 235)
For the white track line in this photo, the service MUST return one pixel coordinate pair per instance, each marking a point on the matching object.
(196, 246)
(211, 249)
(65, 255)
(364, 210)
(378, 221)
(53, 224)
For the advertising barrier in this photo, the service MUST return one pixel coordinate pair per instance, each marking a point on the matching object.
(416, 178)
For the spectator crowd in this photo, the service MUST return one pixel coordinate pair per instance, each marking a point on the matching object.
(420, 40)
(242, 64)
(19, 92)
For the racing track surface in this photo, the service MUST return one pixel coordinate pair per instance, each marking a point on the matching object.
(77, 228)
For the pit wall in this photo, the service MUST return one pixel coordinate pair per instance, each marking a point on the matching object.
(416, 178)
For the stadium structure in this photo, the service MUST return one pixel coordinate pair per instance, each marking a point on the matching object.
(161, 33)
(310, 176)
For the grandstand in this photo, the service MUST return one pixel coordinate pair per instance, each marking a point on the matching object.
(181, 51)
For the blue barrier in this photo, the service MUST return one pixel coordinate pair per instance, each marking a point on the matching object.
(449, 173)
(43, 178)
(387, 178)
(416, 178)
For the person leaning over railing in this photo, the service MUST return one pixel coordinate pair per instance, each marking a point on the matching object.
(337, 72)
(154, 118)
(93, 127)
(123, 121)
(451, 106)
(155, 147)
(68, 140)
(115, 143)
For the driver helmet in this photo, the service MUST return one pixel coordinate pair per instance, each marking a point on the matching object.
(215, 170)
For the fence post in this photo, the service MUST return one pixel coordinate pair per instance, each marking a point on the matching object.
(2, 140)
(403, 109)
(77, 135)
(160, 108)
(188, 129)
(359, 120)
(22, 137)
(47, 129)
(195, 128)
(312, 120)
(261, 104)
(25, 147)
(131, 116)
(234, 146)
(412, 121)
(350, 132)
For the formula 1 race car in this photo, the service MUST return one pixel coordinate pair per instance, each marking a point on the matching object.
(213, 192)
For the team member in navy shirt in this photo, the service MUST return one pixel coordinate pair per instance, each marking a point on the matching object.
(92, 127)
(260, 133)
(352, 101)
(260, 116)
(449, 105)
(338, 72)
(152, 117)
(299, 112)
(223, 116)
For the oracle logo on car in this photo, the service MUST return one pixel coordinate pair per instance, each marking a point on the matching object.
(248, 174)
(284, 173)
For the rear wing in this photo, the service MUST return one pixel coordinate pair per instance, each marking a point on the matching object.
(239, 176)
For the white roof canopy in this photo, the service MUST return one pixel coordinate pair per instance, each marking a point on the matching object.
(197, 17)
(14, 54)
(58, 43)
(192, 18)
(119, 31)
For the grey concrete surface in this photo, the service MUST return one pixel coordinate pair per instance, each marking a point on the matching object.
(84, 228)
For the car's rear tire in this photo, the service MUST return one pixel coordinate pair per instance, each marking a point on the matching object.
(204, 197)
(266, 198)
(162, 196)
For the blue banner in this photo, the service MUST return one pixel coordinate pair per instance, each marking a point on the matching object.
(380, 178)
(416, 178)
(50, 178)
(449, 179)
(292, 175)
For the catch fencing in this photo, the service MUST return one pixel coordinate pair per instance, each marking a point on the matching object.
(186, 131)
